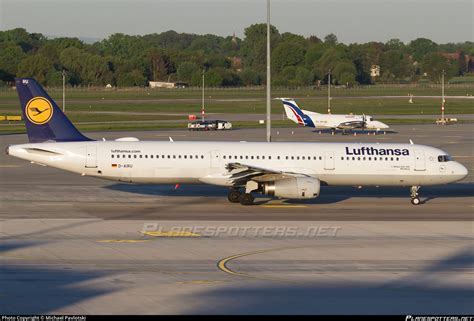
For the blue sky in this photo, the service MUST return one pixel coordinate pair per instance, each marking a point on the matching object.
(352, 21)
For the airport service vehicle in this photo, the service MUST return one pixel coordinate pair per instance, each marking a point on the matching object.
(290, 170)
(210, 125)
(330, 121)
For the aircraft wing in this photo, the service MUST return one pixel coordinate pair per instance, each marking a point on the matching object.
(351, 124)
(241, 173)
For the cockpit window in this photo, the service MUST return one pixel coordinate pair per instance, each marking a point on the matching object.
(444, 158)
(371, 118)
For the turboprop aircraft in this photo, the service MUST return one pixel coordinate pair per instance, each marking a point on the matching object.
(291, 170)
(329, 121)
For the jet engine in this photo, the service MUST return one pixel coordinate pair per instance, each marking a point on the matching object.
(294, 188)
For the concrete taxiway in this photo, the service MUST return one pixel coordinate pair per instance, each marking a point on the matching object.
(71, 244)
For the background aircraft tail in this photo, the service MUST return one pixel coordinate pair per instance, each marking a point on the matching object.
(44, 120)
(290, 113)
(294, 113)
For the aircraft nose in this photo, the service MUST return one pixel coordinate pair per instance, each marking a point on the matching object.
(462, 170)
(380, 125)
(458, 171)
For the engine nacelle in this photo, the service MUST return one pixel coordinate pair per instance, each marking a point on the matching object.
(294, 188)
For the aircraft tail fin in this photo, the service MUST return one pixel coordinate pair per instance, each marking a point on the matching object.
(44, 120)
(293, 112)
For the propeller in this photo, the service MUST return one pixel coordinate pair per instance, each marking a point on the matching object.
(364, 121)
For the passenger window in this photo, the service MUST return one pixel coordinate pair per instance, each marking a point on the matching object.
(146, 156)
(320, 158)
(134, 156)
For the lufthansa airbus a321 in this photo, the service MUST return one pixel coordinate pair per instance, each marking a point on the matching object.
(290, 170)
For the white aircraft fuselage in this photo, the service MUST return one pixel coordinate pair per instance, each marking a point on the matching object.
(155, 162)
(286, 170)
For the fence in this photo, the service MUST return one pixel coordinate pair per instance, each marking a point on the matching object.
(385, 87)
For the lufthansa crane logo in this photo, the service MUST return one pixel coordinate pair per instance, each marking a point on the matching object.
(39, 110)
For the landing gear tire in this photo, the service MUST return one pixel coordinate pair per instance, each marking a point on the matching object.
(234, 196)
(415, 200)
(246, 199)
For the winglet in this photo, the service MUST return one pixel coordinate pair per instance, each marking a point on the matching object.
(171, 139)
(411, 142)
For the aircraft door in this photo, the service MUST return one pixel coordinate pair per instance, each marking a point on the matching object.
(420, 160)
(329, 160)
(91, 156)
(215, 158)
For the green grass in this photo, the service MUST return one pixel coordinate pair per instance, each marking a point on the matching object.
(88, 109)
(195, 93)
(389, 106)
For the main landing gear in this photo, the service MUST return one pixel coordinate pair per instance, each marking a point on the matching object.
(415, 200)
(235, 196)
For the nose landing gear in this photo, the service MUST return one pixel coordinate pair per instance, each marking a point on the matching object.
(415, 200)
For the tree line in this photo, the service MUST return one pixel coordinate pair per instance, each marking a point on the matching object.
(123, 60)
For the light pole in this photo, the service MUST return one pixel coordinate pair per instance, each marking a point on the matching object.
(269, 125)
(64, 90)
(202, 104)
(442, 96)
(329, 92)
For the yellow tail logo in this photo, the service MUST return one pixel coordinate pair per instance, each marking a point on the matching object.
(39, 110)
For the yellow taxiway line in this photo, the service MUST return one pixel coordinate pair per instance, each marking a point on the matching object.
(170, 234)
(122, 241)
(222, 264)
